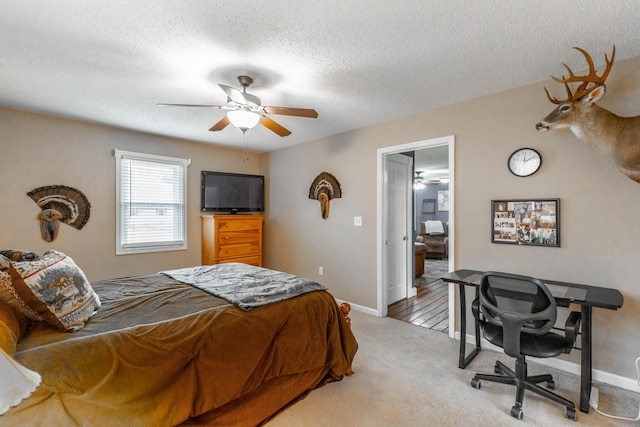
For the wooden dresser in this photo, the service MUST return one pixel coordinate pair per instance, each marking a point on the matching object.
(232, 238)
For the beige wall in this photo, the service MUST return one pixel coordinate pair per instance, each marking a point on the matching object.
(599, 206)
(37, 150)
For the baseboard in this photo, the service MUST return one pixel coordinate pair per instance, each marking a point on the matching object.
(360, 308)
(566, 366)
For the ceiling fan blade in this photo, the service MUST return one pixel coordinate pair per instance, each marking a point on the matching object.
(234, 94)
(221, 124)
(289, 111)
(273, 126)
(192, 105)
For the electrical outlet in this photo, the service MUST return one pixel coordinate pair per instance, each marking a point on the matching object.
(320, 270)
(357, 221)
(595, 396)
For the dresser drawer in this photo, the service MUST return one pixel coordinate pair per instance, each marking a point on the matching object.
(247, 224)
(251, 260)
(234, 237)
(225, 251)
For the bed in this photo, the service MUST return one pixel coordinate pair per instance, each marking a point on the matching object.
(162, 352)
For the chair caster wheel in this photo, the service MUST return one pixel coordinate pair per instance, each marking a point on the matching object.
(571, 414)
(551, 385)
(517, 412)
(475, 383)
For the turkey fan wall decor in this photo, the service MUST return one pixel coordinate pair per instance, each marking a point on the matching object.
(60, 203)
(324, 188)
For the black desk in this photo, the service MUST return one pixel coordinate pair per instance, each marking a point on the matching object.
(586, 296)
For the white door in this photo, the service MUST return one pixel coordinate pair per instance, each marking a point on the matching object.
(397, 171)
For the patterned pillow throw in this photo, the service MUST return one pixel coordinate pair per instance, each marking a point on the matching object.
(4, 262)
(16, 255)
(10, 297)
(56, 289)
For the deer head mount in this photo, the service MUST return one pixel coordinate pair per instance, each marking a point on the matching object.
(613, 136)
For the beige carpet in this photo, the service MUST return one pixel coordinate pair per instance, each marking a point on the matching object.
(406, 375)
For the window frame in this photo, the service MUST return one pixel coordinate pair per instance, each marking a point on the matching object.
(148, 247)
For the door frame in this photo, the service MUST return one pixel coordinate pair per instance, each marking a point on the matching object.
(380, 220)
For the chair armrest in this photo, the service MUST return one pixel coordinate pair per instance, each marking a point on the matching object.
(572, 329)
(475, 309)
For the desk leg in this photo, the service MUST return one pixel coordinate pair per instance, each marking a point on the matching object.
(585, 359)
(462, 360)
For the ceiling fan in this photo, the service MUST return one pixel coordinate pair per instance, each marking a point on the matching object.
(245, 110)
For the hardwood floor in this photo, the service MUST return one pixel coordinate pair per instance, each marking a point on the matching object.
(429, 308)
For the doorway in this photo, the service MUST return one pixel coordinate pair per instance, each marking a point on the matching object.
(383, 207)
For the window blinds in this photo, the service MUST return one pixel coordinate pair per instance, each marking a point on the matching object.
(152, 202)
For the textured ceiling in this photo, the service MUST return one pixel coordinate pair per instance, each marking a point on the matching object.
(110, 62)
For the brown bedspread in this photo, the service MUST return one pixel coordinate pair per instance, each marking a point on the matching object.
(160, 352)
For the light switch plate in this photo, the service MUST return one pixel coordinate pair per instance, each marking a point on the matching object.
(357, 221)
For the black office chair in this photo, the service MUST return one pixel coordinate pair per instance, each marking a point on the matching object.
(517, 313)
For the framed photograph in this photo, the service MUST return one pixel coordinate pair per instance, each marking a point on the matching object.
(531, 222)
(443, 200)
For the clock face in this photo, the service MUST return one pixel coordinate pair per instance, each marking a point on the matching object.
(524, 162)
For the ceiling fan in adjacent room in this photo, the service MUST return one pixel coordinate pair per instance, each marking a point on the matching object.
(245, 110)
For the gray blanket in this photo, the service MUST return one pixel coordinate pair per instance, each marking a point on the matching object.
(244, 285)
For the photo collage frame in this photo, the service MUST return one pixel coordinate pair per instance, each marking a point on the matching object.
(532, 222)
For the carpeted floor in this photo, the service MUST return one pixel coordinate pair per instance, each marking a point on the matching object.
(434, 269)
(406, 375)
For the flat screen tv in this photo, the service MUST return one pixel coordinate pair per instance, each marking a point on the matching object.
(225, 192)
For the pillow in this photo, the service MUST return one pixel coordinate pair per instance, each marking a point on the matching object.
(55, 289)
(16, 382)
(16, 255)
(10, 298)
(434, 227)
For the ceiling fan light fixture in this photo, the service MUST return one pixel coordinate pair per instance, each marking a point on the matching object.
(246, 111)
(243, 119)
(418, 184)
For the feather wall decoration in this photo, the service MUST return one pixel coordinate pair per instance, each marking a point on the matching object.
(60, 203)
(324, 188)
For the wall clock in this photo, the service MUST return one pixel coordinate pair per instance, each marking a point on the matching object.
(524, 162)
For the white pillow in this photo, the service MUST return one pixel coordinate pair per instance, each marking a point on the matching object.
(16, 382)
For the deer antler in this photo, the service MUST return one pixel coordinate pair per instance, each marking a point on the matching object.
(592, 77)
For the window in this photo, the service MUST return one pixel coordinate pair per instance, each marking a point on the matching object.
(151, 195)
